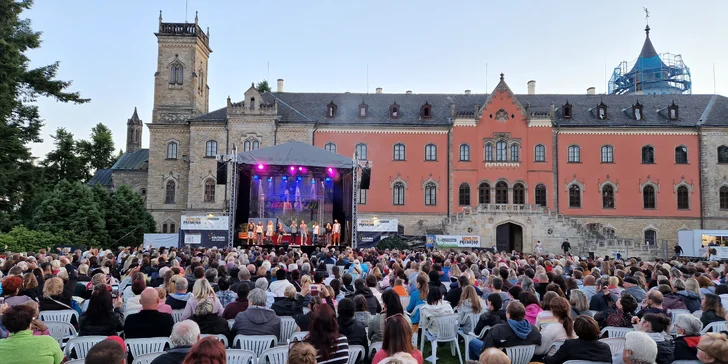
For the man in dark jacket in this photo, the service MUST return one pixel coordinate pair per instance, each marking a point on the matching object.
(184, 335)
(257, 319)
(453, 295)
(516, 331)
(289, 305)
(178, 299)
(372, 302)
(493, 316)
(148, 322)
(239, 305)
(604, 299)
(243, 278)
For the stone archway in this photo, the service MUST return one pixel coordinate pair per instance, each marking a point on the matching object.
(509, 236)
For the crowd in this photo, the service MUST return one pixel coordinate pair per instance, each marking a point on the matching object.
(672, 310)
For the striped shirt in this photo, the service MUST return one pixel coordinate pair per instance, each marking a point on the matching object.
(339, 354)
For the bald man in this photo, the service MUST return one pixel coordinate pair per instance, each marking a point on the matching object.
(148, 322)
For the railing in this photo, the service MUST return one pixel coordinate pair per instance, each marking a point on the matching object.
(525, 208)
(183, 29)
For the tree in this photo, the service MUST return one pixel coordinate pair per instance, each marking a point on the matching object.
(20, 87)
(63, 162)
(127, 219)
(263, 86)
(98, 152)
(73, 207)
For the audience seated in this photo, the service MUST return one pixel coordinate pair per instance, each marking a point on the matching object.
(494, 356)
(184, 334)
(209, 322)
(391, 305)
(239, 305)
(257, 319)
(713, 309)
(639, 348)
(562, 330)
(515, 331)
(713, 348)
(397, 339)
(103, 316)
(148, 322)
(620, 315)
(331, 347)
(289, 305)
(654, 325)
(585, 346)
(178, 299)
(688, 335)
(300, 353)
(202, 290)
(109, 351)
(209, 350)
(22, 347)
(468, 303)
(354, 331)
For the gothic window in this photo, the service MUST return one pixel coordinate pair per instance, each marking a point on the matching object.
(464, 152)
(683, 199)
(331, 110)
(574, 154)
(464, 195)
(331, 147)
(608, 197)
(607, 154)
(430, 194)
(540, 195)
(252, 103)
(672, 111)
(172, 228)
(362, 197)
(648, 154)
(501, 192)
(566, 111)
(398, 194)
(209, 190)
(394, 111)
(602, 111)
(172, 150)
(574, 196)
(650, 237)
(200, 81)
(399, 152)
(519, 194)
(648, 197)
(723, 154)
(514, 153)
(489, 152)
(165, 228)
(363, 108)
(609, 233)
(430, 152)
(501, 151)
(723, 197)
(249, 145)
(169, 192)
(681, 154)
(210, 148)
(176, 72)
(484, 193)
(637, 111)
(540, 153)
(361, 151)
(426, 111)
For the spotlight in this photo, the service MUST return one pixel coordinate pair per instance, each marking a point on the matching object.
(255, 177)
(300, 168)
(328, 179)
(299, 178)
(331, 170)
(293, 168)
(285, 178)
(270, 179)
(260, 166)
(313, 180)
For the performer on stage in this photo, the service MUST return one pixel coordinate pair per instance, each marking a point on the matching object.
(269, 232)
(328, 233)
(251, 232)
(315, 233)
(259, 233)
(304, 232)
(281, 232)
(294, 232)
(337, 233)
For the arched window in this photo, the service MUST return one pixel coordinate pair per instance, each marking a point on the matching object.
(398, 194)
(501, 192)
(723, 154)
(540, 195)
(464, 195)
(209, 190)
(574, 196)
(607, 154)
(361, 151)
(514, 153)
(501, 151)
(251, 144)
(430, 152)
(172, 150)
(489, 152)
(609, 233)
(169, 193)
(540, 153)
(648, 197)
(430, 194)
(574, 154)
(723, 197)
(399, 152)
(608, 197)
(464, 153)
(165, 228)
(683, 198)
(210, 148)
(176, 72)
(648, 154)
(331, 110)
(331, 147)
(394, 111)
(681, 154)
(519, 194)
(484, 193)
(650, 237)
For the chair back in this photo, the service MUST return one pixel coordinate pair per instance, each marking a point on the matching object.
(146, 358)
(520, 354)
(473, 317)
(374, 347)
(554, 347)
(405, 300)
(138, 347)
(613, 331)
(306, 310)
(687, 362)
(328, 268)
(177, 315)
(61, 330)
(276, 355)
(677, 312)
(231, 322)
(584, 362)
(220, 337)
(447, 327)
(288, 327)
(81, 344)
(255, 343)
(297, 336)
(698, 313)
(355, 352)
(238, 356)
(716, 326)
(75, 361)
(58, 315)
(616, 344)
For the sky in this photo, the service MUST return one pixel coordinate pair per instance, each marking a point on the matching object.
(108, 48)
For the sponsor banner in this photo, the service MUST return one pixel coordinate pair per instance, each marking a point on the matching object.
(377, 225)
(370, 239)
(457, 241)
(430, 241)
(718, 252)
(205, 238)
(204, 222)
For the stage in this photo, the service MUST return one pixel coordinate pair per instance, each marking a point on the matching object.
(308, 249)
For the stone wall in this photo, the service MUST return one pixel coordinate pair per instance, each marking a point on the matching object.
(136, 179)
(203, 167)
(714, 176)
(162, 170)
(414, 224)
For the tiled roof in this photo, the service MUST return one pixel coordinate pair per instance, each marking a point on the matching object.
(133, 160)
(217, 115)
(102, 177)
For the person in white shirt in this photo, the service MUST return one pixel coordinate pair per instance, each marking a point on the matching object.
(539, 247)
(314, 239)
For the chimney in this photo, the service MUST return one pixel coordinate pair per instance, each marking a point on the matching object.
(280, 85)
(467, 92)
(408, 92)
(532, 87)
(379, 90)
(591, 91)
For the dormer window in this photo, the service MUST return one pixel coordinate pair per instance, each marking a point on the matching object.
(252, 103)
(426, 111)
(363, 108)
(602, 111)
(637, 111)
(566, 111)
(331, 110)
(394, 111)
(672, 111)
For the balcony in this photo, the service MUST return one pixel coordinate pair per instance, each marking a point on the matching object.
(511, 208)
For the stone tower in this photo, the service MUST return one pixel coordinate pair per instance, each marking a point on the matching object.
(134, 127)
(180, 87)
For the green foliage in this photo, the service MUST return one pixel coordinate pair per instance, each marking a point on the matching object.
(126, 218)
(21, 239)
(72, 207)
(262, 86)
(392, 242)
(63, 162)
(97, 152)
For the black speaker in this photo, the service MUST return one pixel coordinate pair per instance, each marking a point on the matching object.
(366, 175)
(221, 173)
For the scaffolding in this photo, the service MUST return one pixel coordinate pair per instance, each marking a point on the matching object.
(660, 74)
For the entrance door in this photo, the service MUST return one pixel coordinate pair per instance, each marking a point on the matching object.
(509, 237)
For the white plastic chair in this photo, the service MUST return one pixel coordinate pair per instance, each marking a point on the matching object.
(469, 336)
(58, 315)
(255, 343)
(82, 344)
(138, 347)
(716, 326)
(677, 312)
(374, 347)
(447, 328)
(146, 358)
(554, 347)
(521, 354)
(616, 344)
(613, 331)
(76, 361)
(238, 356)
(698, 313)
(405, 300)
(355, 351)
(297, 336)
(61, 330)
(220, 337)
(288, 327)
(275, 355)
(306, 310)
(681, 362)
(585, 362)
(328, 268)
(177, 315)
(231, 322)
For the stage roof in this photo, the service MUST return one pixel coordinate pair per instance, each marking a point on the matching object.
(295, 154)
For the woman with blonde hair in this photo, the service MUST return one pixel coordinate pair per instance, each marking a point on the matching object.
(202, 290)
(469, 304)
(53, 298)
(494, 356)
(713, 348)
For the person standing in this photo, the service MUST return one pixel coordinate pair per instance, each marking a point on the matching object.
(304, 232)
(281, 232)
(269, 232)
(539, 247)
(337, 232)
(294, 232)
(566, 246)
(678, 251)
(328, 233)
(316, 231)
(259, 233)
(251, 232)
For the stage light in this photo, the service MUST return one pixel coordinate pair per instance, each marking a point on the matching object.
(255, 177)
(285, 178)
(299, 178)
(300, 168)
(293, 168)
(331, 170)
(270, 179)
(328, 179)
(260, 167)
(313, 180)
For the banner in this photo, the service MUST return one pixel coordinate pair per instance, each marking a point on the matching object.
(204, 231)
(377, 225)
(457, 241)
(721, 252)
(204, 222)
(161, 240)
(369, 239)
(430, 241)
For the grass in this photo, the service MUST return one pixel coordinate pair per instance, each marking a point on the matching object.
(443, 353)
